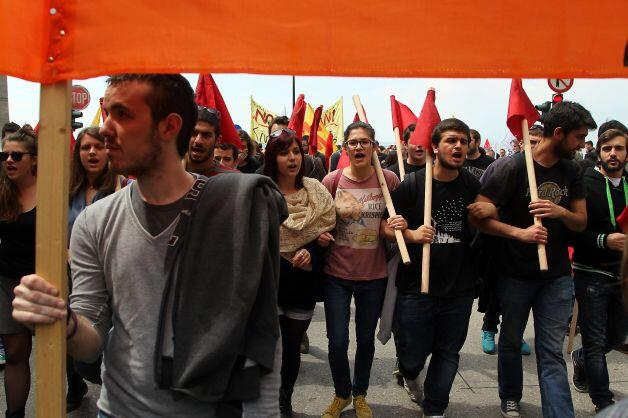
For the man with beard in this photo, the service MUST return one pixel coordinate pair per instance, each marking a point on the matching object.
(416, 154)
(124, 260)
(200, 156)
(436, 323)
(596, 264)
(476, 162)
(305, 146)
(523, 287)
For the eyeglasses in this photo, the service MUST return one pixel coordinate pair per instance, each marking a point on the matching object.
(279, 132)
(211, 110)
(15, 155)
(364, 143)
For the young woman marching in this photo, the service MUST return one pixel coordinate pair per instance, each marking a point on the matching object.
(311, 215)
(18, 197)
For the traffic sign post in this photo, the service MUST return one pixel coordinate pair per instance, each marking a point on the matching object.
(560, 85)
(80, 97)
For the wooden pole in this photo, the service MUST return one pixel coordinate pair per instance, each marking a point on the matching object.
(572, 327)
(427, 220)
(53, 167)
(534, 194)
(402, 168)
(403, 250)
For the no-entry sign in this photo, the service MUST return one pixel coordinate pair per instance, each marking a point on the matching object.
(560, 85)
(80, 97)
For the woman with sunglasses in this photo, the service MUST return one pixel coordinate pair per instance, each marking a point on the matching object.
(311, 215)
(355, 267)
(90, 180)
(18, 197)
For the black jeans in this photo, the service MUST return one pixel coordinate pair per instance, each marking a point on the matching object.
(603, 324)
(436, 326)
(491, 316)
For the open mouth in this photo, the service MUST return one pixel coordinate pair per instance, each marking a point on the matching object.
(292, 166)
(359, 156)
(457, 155)
(11, 169)
(93, 161)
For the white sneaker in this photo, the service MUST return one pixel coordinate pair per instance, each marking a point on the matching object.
(414, 389)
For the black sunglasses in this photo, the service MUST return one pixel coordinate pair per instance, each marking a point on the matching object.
(213, 111)
(279, 132)
(15, 156)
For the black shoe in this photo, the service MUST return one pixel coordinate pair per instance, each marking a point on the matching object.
(579, 375)
(76, 393)
(510, 409)
(285, 403)
(601, 407)
(305, 344)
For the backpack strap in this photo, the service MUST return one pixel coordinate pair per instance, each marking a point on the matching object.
(334, 186)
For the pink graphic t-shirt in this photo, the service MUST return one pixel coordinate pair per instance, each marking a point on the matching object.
(358, 251)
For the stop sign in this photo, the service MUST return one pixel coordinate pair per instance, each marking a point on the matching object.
(80, 97)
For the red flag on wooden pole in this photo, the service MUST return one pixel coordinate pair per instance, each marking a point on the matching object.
(519, 107)
(208, 95)
(428, 119)
(313, 143)
(297, 117)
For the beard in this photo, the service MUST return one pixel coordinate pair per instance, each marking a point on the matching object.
(140, 164)
(446, 164)
(562, 151)
(610, 169)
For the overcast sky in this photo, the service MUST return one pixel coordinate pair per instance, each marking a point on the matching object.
(481, 103)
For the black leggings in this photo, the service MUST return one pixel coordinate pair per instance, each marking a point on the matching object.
(292, 331)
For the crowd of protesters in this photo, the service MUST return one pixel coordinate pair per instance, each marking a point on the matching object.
(193, 280)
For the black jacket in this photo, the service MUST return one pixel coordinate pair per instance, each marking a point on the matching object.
(298, 288)
(590, 245)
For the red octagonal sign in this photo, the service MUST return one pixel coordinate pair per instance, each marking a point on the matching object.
(80, 97)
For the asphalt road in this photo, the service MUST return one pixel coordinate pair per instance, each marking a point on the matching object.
(474, 393)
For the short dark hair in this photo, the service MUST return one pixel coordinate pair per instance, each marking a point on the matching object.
(474, 134)
(607, 136)
(360, 125)
(171, 93)
(211, 117)
(611, 124)
(225, 146)
(9, 127)
(273, 148)
(305, 138)
(451, 124)
(278, 120)
(568, 116)
(408, 132)
(536, 130)
(246, 140)
(588, 142)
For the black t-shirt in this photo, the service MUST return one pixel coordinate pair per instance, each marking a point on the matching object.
(410, 168)
(251, 165)
(450, 260)
(508, 188)
(17, 246)
(478, 166)
(154, 218)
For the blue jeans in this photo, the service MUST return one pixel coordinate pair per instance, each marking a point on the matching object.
(369, 298)
(551, 304)
(436, 326)
(604, 324)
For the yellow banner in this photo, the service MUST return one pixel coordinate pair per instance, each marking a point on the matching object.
(96, 120)
(260, 119)
(308, 119)
(333, 121)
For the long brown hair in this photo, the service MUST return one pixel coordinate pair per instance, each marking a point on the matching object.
(105, 182)
(10, 207)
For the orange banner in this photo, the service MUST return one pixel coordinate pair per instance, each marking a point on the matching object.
(52, 40)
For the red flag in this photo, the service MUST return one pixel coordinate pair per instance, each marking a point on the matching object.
(297, 117)
(402, 116)
(622, 220)
(314, 130)
(487, 144)
(428, 119)
(344, 161)
(519, 107)
(329, 148)
(208, 95)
